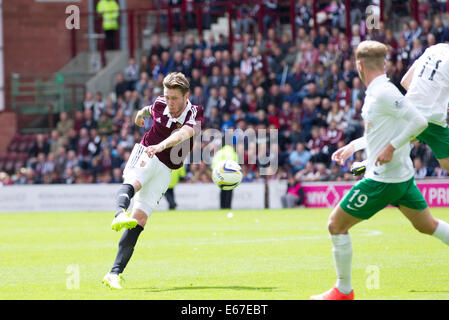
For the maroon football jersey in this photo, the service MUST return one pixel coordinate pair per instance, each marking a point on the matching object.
(164, 125)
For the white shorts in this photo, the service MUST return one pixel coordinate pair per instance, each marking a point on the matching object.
(152, 174)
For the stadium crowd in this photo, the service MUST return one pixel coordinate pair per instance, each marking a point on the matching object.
(307, 88)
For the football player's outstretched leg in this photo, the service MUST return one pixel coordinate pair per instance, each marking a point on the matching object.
(147, 173)
(391, 121)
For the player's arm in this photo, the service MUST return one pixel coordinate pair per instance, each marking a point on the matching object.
(342, 154)
(188, 130)
(145, 112)
(416, 124)
(407, 78)
(184, 133)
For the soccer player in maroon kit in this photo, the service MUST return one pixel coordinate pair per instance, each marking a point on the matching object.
(148, 171)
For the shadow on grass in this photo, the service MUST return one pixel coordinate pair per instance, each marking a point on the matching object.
(238, 288)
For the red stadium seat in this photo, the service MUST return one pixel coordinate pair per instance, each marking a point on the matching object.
(23, 146)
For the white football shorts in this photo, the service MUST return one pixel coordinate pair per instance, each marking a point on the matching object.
(152, 174)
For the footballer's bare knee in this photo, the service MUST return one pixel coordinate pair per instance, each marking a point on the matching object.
(335, 228)
(136, 184)
(340, 222)
(140, 216)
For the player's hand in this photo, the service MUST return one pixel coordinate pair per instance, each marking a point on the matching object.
(386, 155)
(140, 121)
(152, 150)
(341, 155)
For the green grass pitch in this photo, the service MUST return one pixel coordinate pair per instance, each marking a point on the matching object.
(266, 254)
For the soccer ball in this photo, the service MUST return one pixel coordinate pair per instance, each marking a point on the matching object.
(227, 174)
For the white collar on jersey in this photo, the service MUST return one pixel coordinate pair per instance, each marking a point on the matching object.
(179, 119)
(379, 79)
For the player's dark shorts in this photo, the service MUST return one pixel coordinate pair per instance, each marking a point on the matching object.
(368, 197)
(437, 138)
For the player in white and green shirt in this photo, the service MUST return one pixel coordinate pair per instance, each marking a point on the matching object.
(427, 84)
(391, 121)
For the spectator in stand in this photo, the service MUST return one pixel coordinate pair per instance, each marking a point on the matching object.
(336, 174)
(439, 30)
(129, 104)
(354, 122)
(417, 51)
(198, 98)
(38, 166)
(49, 165)
(420, 170)
(79, 119)
(439, 173)
(83, 142)
(72, 142)
(306, 174)
(333, 137)
(120, 85)
(208, 62)
(415, 32)
(117, 176)
(309, 116)
(72, 160)
(89, 122)
(273, 116)
(390, 39)
(430, 40)
(126, 140)
(343, 97)
(285, 116)
(303, 13)
(60, 161)
(332, 81)
(270, 8)
(39, 146)
(55, 142)
(426, 27)
(212, 102)
(348, 73)
(89, 101)
(299, 157)
(357, 93)
(227, 122)
(64, 125)
(144, 65)
(105, 125)
(176, 65)
(336, 113)
(131, 74)
(142, 84)
(294, 196)
(156, 47)
(99, 106)
(321, 173)
(356, 38)
(310, 55)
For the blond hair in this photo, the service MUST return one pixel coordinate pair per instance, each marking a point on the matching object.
(371, 53)
(177, 80)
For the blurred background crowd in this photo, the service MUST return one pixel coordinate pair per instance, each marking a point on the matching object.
(306, 88)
